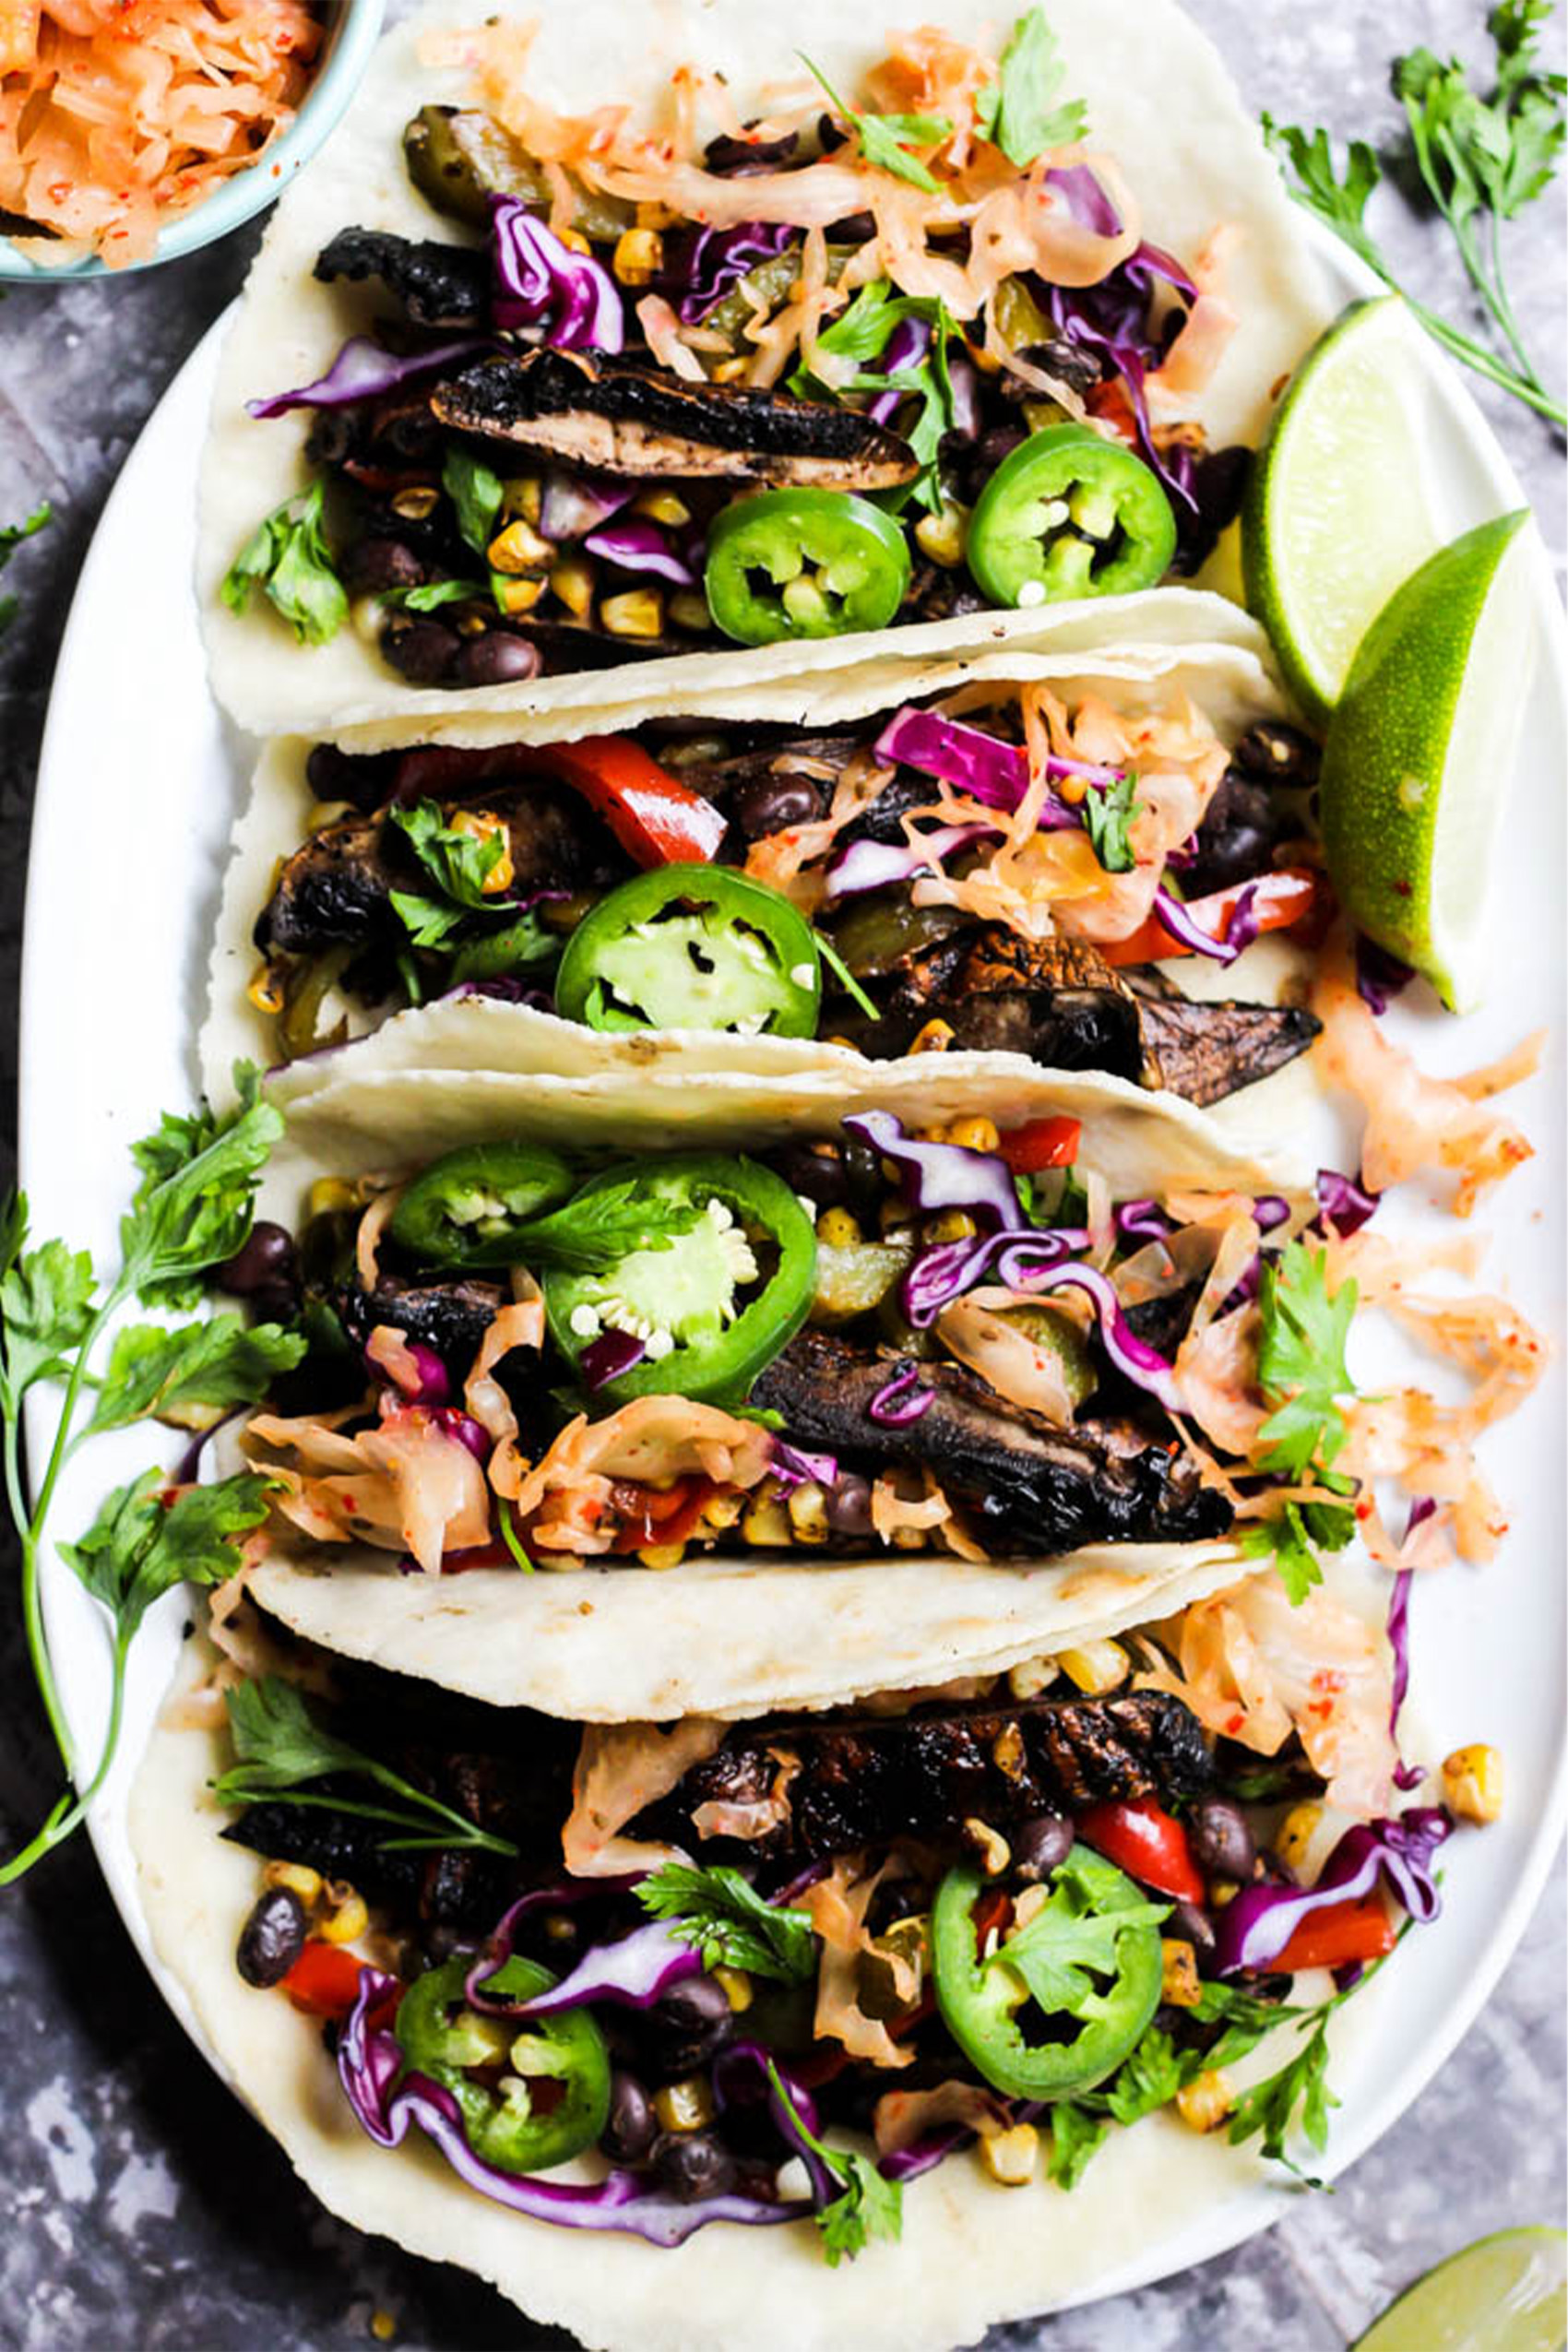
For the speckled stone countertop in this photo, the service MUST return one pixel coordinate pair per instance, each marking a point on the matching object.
(139, 2204)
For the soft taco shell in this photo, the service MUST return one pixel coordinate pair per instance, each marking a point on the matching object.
(1159, 101)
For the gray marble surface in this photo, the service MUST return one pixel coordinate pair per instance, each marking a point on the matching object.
(138, 2203)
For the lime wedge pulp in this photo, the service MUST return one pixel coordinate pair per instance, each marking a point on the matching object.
(1416, 768)
(1504, 2294)
(1336, 515)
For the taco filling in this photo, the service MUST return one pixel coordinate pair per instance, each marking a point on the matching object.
(1009, 871)
(896, 355)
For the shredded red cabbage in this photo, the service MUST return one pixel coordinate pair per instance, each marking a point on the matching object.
(792, 1467)
(1342, 1205)
(905, 347)
(947, 1269)
(453, 1423)
(433, 1386)
(638, 546)
(982, 766)
(369, 2059)
(572, 503)
(1241, 926)
(876, 865)
(1255, 1927)
(741, 2079)
(545, 289)
(563, 1895)
(632, 1972)
(363, 371)
(901, 1400)
(605, 1357)
(1379, 976)
(1406, 1776)
(1142, 1220)
(1269, 1210)
(719, 258)
(939, 1176)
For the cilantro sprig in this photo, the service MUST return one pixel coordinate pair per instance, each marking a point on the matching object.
(288, 558)
(191, 1209)
(721, 1915)
(1302, 1373)
(457, 865)
(1022, 111)
(1481, 160)
(282, 1752)
(859, 335)
(868, 2205)
(886, 139)
(1108, 809)
(595, 1231)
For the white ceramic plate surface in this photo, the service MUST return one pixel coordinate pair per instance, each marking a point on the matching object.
(140, 782)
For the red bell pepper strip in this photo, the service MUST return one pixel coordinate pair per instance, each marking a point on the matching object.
(1281, 899)
(325, 1979)
(1334, 1937)
(1146, 1842)
(1042, 1143)
(655, 818)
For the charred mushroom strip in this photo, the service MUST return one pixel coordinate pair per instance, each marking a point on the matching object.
(620, 418)
(437, 285)
(1207, 1051)
(1038, 1490)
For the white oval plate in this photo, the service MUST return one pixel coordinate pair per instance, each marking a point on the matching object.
(138, 786)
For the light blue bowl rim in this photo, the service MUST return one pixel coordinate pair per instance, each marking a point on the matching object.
(353, 33)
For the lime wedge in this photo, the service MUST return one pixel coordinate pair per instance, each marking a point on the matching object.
(1416, 767)
(1336, 514)
(1504, 2294)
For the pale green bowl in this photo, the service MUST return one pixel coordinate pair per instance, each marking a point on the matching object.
(352, 29)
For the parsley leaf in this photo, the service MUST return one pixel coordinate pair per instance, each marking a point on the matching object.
(885, 139)
(1301, 1365)
(1018, 111)
(458, 864)
(476, 494)
(197, 1198)
(859, 334)
(430, 595)
(1065, 1946)
(723, 1917)
(1148, 2078)
(596, 1231)
(11, 538)
(139, 1547)
(1108, 811)
(1246, 2020)
(192, 1376)
(287, 557)
(280, 1750)
(1298, 2096)
(870, 2206)
(1075, 2137)
(46, 1305)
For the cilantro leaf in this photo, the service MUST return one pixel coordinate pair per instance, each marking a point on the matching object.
(46, 1306)
(723, 1917)
(197, 1198)
(1246, 2021)
(192, 1376)
(288, 558)
(1018, 111)
(430, 595)
(870, 2205)
(885, 139)
(459, 862)
(1075, 2137)
(1065, 1945)
(1297, 2098)
(1108, 811)
(595, 1231)
(1148, 2078)
(139, 1547)
(476, 494)
(1301, 1358)
(11, 538)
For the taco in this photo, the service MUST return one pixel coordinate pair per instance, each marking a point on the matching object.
(790, 337)
(1012, 865)
(587, 2002)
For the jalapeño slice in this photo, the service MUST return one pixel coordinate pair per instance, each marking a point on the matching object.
(465, 1210)
(532, 2091)
(1090, 1957)
(714, 1304)
(693, 947)
(803, 564)
(1069, 513)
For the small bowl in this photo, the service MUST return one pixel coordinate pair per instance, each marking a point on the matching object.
(352, 29)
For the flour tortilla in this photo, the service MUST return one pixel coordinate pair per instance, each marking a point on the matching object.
(1231, 681)
(1159, 101)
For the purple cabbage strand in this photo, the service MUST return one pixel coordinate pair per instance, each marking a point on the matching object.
(1255, 1927)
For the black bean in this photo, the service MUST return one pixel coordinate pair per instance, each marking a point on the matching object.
(1193, 1925)
(267, 1260)
(695, 2006)
(1040, 1844)
(692, 2165)
(822, 1176)
(498, 658)
(692, 2021)
(272, 1938)
(424, 652)
(377, 563)
(632, 2130)
(769, 803)
(847, 1504)
(1220, 1839)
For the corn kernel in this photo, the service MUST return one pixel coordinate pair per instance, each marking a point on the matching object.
(934, 1038)
(651, 214)
(572, 581)
(298, 1877)
(1179, 1973)
(1008, 1751)
(518, 596)
(838, 1230)
(688, 609)
(383, 2326)
(953, 1225)
(737, 1988)
(638, 256)
(988, 1847)
(730, 370)
(684, 2106)
(1073, 789)
(1205, 2102)
(345, 1916)
(975, 1135)
(765, 1522)
(576, 239)
(662, 506)
(481, 824)
(808, 1512)
(266, 990)
(519, 548)
(367, 617)
(1031, 1904)
(1095, 1667)
(468, 624)
(524, 495)
(1010, 2156)
(1222, 1891)
(662, 1555)
(637, 613)
(1295, 1835)
(721, 1511)
(415, 505)
(941, 537)
(1034, 1675)
(1472, 1782)
(330, 1194)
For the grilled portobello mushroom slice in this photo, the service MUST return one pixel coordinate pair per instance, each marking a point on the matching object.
(438, 285)
(620, 416)
(1207, 1051)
